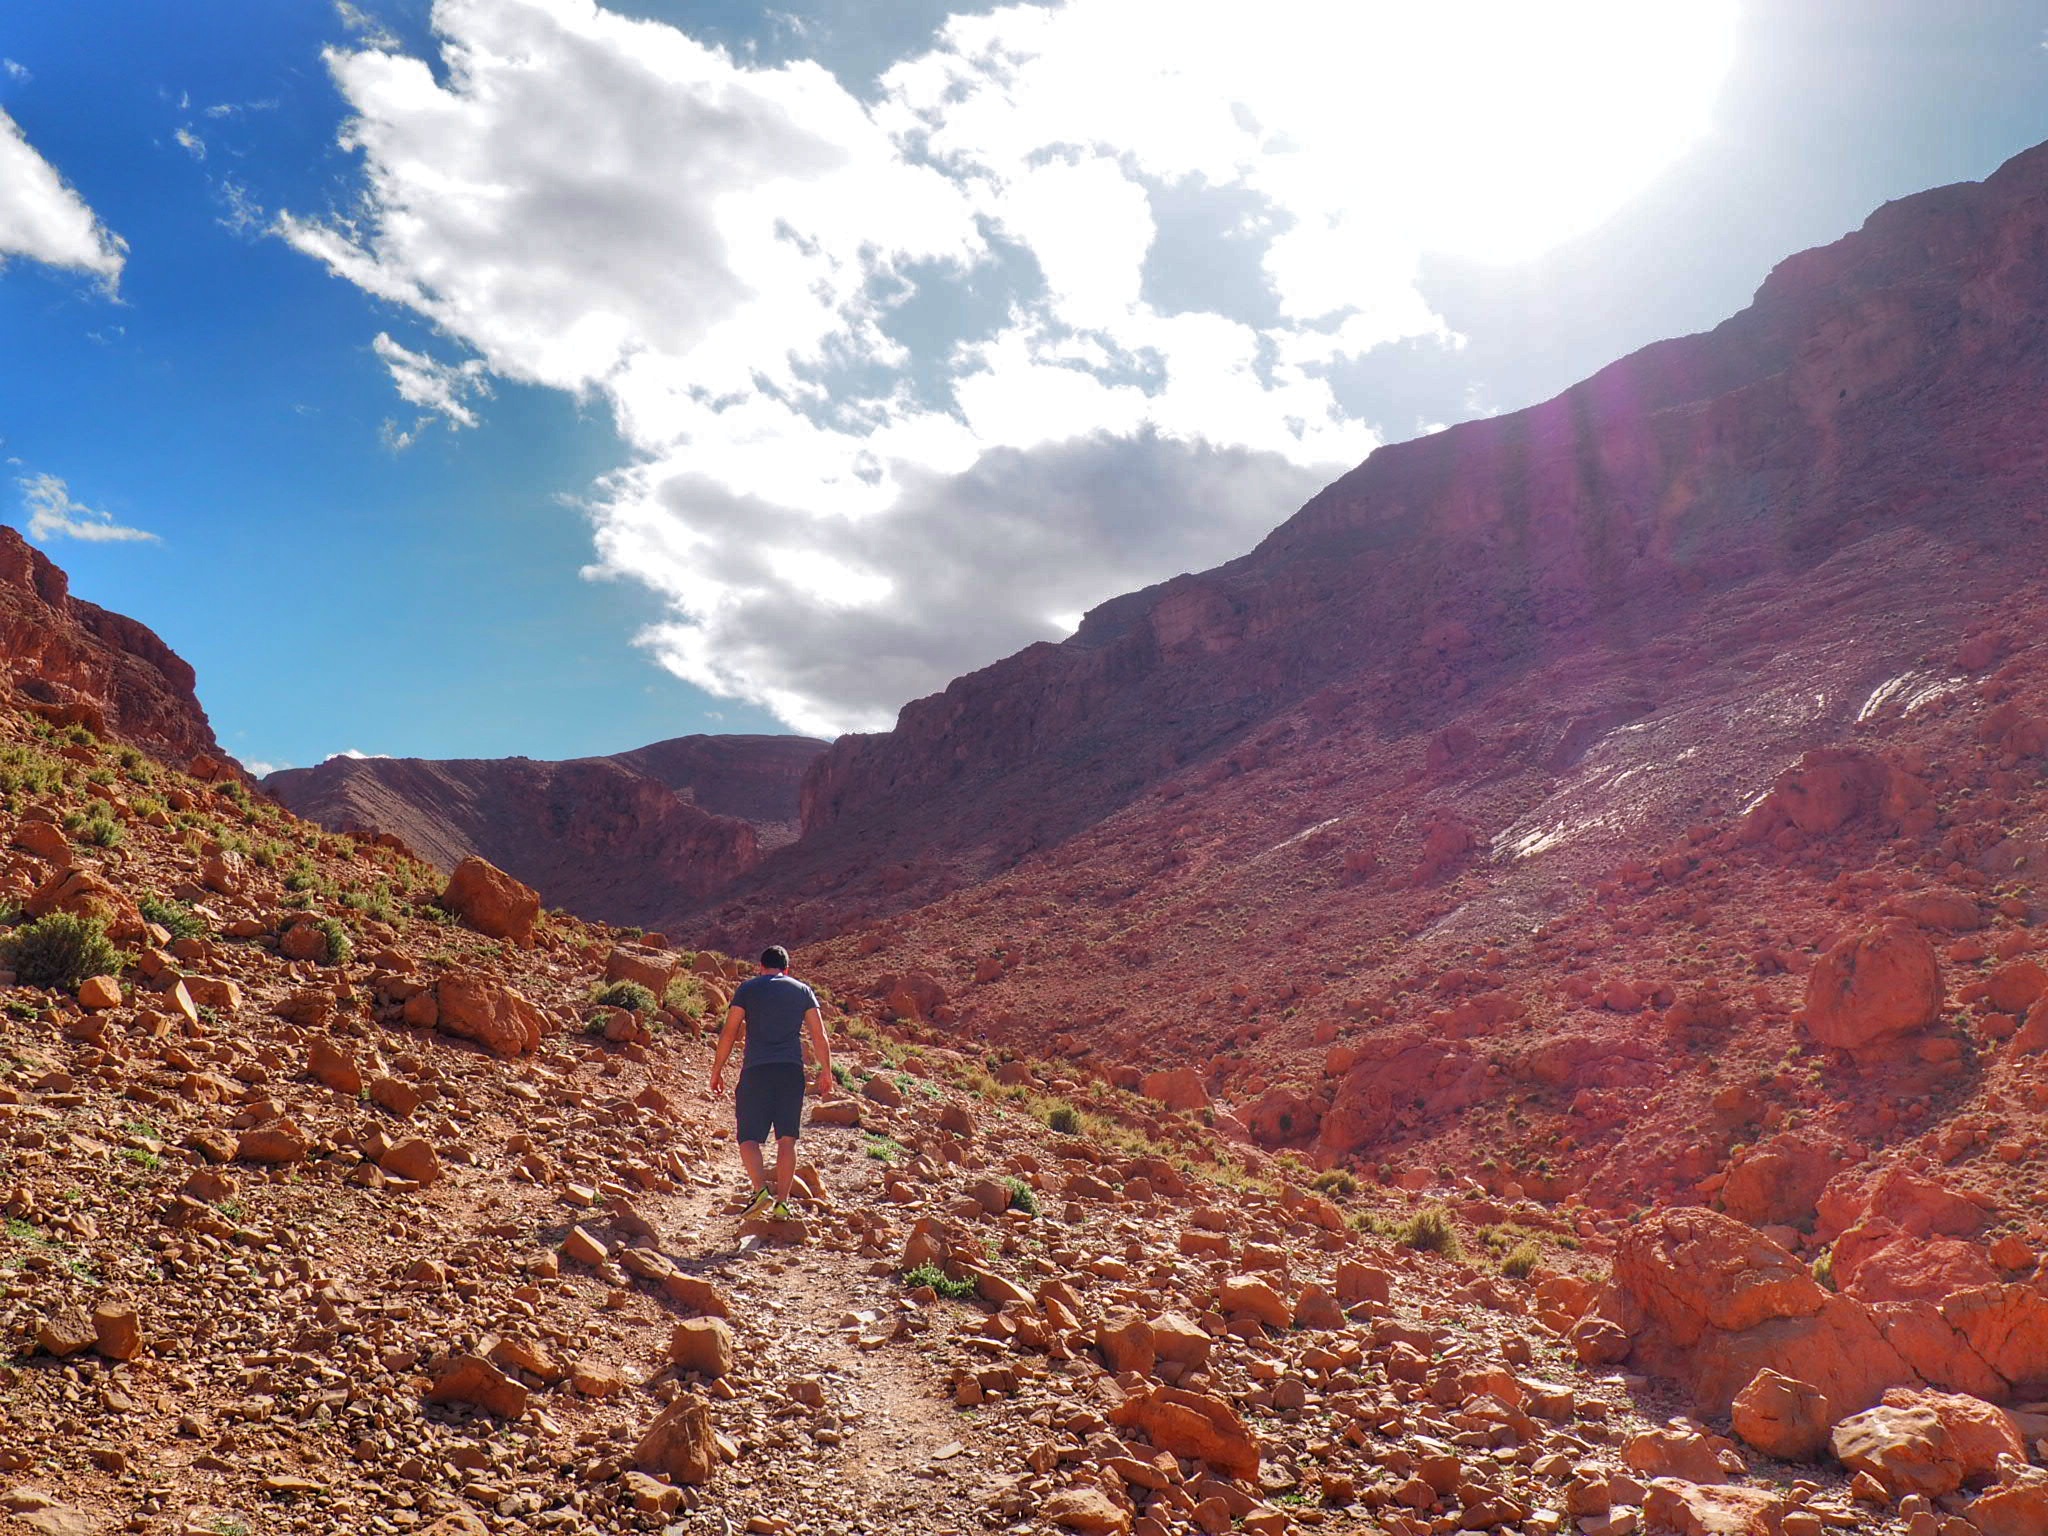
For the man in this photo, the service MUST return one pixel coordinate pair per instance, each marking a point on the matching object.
(774, 1010)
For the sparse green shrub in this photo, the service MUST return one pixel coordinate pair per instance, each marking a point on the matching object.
(174, 917)
(1063, 1118)
(1521, 1260)
(61, 951)
(884, 1149)
(1022, 1197)
(340, 947)
(930, 1274)
(96, 827)
(1430, 1231)
(374, 903)
(629, 995)
(843, 1076)
(1335, 1181)
(683, 997)
(1824, 1269)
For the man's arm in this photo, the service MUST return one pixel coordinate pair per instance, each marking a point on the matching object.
(821, 1047)
(735, 1021)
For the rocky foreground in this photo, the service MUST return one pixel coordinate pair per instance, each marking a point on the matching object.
(340, 1203)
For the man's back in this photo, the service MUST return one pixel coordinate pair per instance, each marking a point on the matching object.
(775, 1006)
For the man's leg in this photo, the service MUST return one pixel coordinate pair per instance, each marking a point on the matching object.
(785, 1165)
(750, 1156)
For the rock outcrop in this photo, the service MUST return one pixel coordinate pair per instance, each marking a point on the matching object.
(78, 664)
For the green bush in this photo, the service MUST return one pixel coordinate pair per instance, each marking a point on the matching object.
(1336, 1181)
(61, 951)
(1022, 1197)
(1430, 1231)
(1521, 1260)
(174, 917)
(683, 997)
(930, 1274)
(339, 945)
(1065, 1119)
(97, 829)
(629, 995)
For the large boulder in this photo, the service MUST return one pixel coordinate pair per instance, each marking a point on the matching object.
(1689, 1270)
(1781, 1417)
(703, 1345)
(653, 969)
(1284, 1117)
(1689, 1509)
(1873, 987)
(1710, 1302)
(1927, 1442)
(1176, 1088)
(1192, 1424)
(474, 1380)
(2017, 1505)
(480, 1008)
(1780, 1180)
(681, 1444)
(491, 901)
(1906, 1268)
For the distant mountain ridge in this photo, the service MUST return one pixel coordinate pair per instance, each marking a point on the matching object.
(636, 837)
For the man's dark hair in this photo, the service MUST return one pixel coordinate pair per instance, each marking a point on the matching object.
(775, 958)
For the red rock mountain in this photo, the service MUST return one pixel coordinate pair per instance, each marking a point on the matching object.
(638, 837)
(1493, 810)
(1878, 391)
(77, 661)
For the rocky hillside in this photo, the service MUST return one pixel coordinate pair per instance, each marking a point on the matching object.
(638, 837)
(1871, 412)
(340, 1198)
(78, 664)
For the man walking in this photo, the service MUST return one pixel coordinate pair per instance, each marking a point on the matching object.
(774, 1010)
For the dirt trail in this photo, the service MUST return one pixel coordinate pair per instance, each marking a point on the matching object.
(879, 1447)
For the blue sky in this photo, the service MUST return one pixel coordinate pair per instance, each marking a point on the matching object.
(538, 378)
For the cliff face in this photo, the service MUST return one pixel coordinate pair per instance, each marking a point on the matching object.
(1887, 382)
(64, 654)
(634, 838)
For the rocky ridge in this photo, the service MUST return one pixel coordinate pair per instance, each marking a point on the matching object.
(637, 837)
(1870, 408)
(75, 663)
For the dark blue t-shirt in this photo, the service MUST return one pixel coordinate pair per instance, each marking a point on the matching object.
(775, 1007)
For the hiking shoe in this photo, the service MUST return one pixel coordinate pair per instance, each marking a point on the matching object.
(782, 1212)
(755, 1202)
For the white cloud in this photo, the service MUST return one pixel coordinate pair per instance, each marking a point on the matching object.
(262, 770)
(435, 386)
(352, 752)
(44, 220)
(15, 71)
(191, 143)
(54, 514)
(972, 564)
(371, 32)
(241, 215)
(823, 325)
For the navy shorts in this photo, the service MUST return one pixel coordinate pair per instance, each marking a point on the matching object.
(769, 1097)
